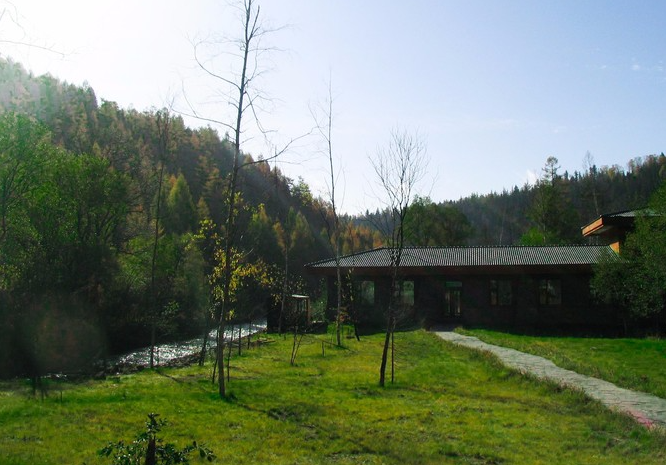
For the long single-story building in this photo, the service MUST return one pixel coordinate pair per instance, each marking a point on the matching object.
(499, 286)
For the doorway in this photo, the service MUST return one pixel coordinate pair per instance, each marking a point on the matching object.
(452, 300)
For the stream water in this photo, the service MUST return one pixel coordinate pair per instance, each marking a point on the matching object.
(165, 353)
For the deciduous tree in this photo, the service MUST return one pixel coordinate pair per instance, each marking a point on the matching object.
(323, 118)
(399, 168)
(636, 281)
(243, 93)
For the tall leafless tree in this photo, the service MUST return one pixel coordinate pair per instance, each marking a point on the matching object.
(399, 168)
(323, 117)
(240, 88)
(163, 123)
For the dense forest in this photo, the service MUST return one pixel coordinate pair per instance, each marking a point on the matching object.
(111, 222)
(111, 225)
(552, 211)
(561, 203)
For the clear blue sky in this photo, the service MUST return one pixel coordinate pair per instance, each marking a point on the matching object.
(493, 87)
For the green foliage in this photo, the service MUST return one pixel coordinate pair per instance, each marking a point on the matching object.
(63, 220)
(261, 236)
(78, 210)
(148, 448)
(62, 215)
(535, 236)
(181, 214)
(431, 224)
(180, 288)
(637, 282)
(294, 239)
(551, 210)
(24, 154)
(252, 282)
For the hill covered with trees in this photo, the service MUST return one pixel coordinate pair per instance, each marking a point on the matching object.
(559, 204)
(111, 221)
(552, 211)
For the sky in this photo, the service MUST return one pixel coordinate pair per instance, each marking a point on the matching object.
(492, 88)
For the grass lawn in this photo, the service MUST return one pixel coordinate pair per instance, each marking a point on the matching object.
(449, 405)
(638, 364)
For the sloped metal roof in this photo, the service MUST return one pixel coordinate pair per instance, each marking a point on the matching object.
(553, 255)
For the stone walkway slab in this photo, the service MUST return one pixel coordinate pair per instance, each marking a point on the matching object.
(647, 409)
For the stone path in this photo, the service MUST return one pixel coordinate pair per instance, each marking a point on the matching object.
(647, 409)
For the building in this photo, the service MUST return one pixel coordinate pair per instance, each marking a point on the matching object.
(498, 286)
(612, 228)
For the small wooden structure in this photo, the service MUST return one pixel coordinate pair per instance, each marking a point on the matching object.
(298, 310)
(612, 228)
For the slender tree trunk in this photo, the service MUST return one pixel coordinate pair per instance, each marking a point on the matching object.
(393, 354)
(163, 126)
(229, 356)
(240, 338)
(398, 168)
(204, 345)
(152, 342)
(285, 282)
(249, 333)
(387, 341)
(338, 315)
(217, 358)
(249, 30)
(220, 359)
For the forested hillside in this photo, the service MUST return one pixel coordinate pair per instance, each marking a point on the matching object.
(551, 211)
(111, 225)
(559, 204)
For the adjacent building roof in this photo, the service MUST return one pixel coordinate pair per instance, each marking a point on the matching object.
(623, 220)
(469, 257)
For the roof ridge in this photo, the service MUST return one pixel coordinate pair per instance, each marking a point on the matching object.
(355, 254)
(503, 255)
(497, 246)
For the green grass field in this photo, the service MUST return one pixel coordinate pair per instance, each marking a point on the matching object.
(637, 364)
(448, 405)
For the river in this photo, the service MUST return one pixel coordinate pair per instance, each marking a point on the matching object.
(166, 353)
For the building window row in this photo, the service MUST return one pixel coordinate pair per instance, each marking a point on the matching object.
(501, 292)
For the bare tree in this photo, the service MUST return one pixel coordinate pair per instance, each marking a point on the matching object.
(11, 22)
(324, 127)
(163, 123)
(399, 168)
(244, 96)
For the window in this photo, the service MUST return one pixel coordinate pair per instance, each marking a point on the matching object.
(500, 292)
(550, 292)
(407, 293)
(365, 293)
